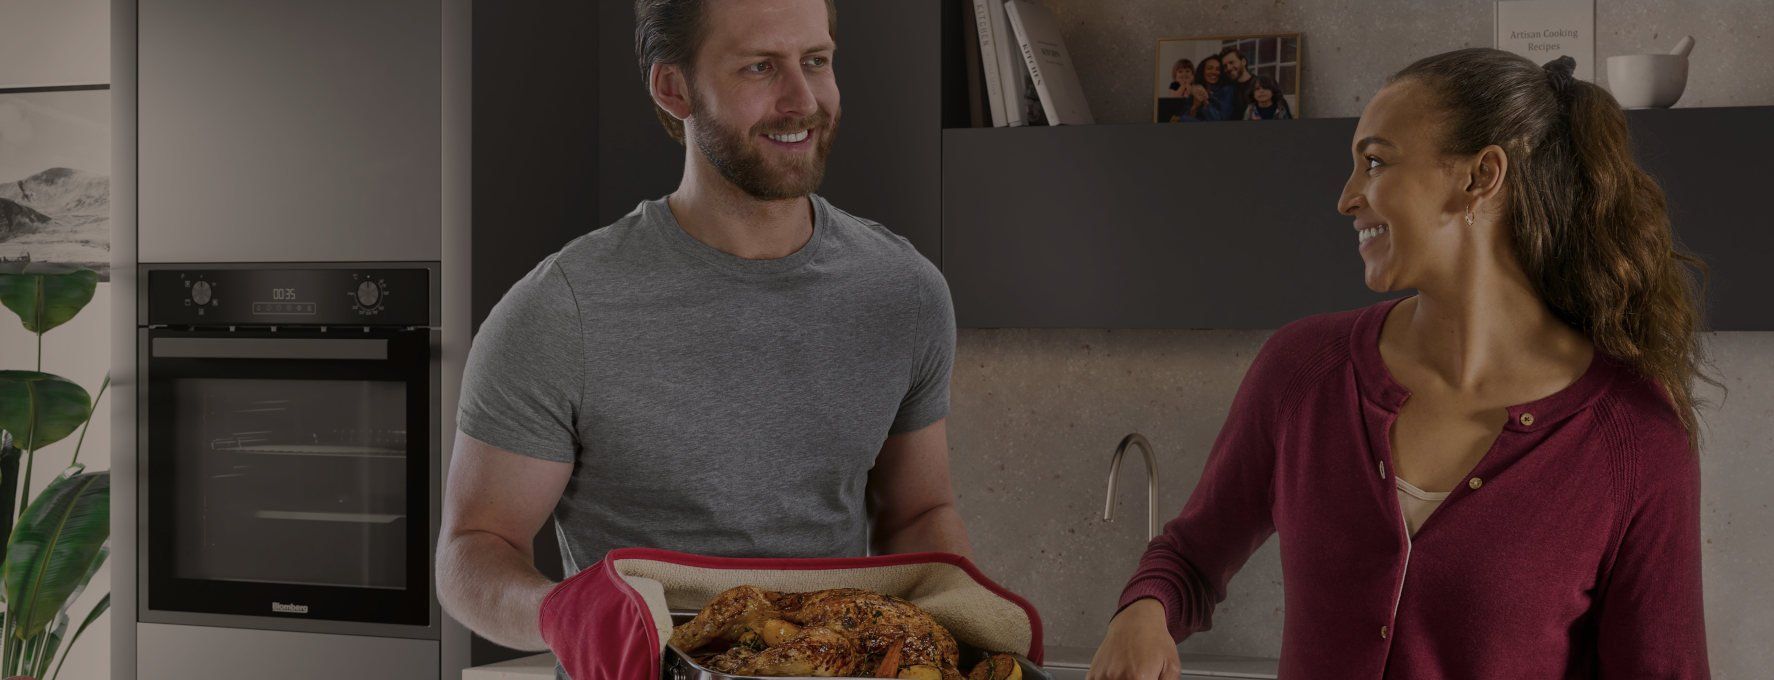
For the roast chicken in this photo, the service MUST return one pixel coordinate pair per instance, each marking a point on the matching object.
(843, 632)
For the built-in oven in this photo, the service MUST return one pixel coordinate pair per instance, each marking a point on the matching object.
(289, 447)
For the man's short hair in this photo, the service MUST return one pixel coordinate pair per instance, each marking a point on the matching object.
(670, 32)
(1234, 50)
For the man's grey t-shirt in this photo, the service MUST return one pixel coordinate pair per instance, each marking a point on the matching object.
(709, 403)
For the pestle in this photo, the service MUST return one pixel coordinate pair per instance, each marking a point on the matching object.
(1684, 47)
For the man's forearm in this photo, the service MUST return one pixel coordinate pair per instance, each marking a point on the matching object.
(492, 588)
(937, 529)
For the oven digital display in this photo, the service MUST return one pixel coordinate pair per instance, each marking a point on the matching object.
(284, 303)
(283, 308)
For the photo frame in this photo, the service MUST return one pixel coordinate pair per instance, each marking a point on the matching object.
(1263, 84)
(55, 175)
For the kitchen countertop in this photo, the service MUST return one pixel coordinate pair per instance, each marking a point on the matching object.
(1066, 663)
(1069, 663)
(524, 668)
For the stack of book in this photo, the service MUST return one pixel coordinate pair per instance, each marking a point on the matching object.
(1022, 69)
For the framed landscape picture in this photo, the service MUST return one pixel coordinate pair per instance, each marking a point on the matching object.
(55, 176)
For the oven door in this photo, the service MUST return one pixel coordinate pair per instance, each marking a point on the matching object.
(287, 476)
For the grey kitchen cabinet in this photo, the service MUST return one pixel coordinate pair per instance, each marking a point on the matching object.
(287, 131)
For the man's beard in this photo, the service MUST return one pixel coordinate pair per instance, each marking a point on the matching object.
(736, 154)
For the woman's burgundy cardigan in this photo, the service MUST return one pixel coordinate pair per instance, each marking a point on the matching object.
(1572, 550)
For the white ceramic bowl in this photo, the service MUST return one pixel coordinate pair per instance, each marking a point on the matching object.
(1640, 81)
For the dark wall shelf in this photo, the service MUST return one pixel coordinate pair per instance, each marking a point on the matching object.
(1233, 225)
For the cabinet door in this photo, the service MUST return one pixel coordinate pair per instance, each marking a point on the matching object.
(289, 131)
(886, 164)
(1211, 225)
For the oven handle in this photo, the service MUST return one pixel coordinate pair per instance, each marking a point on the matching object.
(375, 349)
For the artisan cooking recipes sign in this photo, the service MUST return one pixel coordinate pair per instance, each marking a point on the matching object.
(1544, 30)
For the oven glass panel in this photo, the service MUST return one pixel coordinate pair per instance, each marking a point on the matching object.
(300, 482)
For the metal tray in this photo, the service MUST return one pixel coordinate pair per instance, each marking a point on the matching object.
(679, 666)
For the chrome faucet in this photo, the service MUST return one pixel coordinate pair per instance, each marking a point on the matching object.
(1135, 439)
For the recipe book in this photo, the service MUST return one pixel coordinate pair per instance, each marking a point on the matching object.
(1544, 30)
(983, 21)
(1049, 64)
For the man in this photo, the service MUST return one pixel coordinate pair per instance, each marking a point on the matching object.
(1239, 79)
(739, 368)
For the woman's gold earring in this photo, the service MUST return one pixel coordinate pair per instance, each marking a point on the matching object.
(1469, 217)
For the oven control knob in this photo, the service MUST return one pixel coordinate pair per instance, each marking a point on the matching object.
(368, 294)
(200, 293)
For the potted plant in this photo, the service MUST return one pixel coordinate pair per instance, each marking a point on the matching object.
(57, 540)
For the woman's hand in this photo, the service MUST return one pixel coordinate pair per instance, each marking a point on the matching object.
(1138, 646)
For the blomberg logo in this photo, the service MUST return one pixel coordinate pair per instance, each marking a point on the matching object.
(289, 608)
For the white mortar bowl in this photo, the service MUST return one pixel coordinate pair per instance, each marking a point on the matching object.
(1641, 81)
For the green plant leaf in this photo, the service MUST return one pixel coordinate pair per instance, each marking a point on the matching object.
(40, 665)
(58, 405)
(9, 456)
(43, 650)
(97, 611)
(53, 548)
(45, 295)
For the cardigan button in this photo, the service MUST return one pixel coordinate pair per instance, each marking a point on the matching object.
(1475, 483)
(1385, 632)
(1527, 420)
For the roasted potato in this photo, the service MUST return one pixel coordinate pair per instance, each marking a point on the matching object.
(920, 672)
(778, 631)
(997, 667)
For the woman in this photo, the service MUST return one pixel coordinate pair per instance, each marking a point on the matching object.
(1179, 104)
(1266, 102)
(1213, 93)
(1541, 378)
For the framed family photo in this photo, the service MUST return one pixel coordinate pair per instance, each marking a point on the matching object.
(1228, 77)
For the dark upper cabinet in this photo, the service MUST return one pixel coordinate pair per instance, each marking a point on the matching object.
(1713, 166)
(535, 144)
(1214, 225)
(1234, 225)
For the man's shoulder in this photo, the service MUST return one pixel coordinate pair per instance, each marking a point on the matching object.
(601, 250)
(864, 230)
(607, 240)
(880, 247)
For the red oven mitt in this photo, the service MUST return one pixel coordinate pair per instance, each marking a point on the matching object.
(600, 628)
